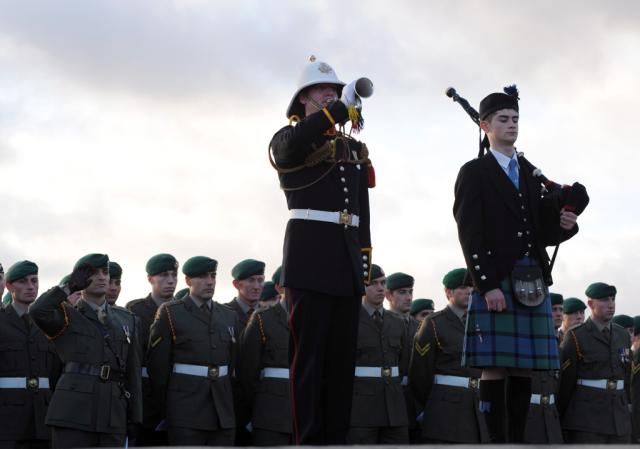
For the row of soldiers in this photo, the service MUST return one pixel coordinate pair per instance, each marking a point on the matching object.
(180, 369)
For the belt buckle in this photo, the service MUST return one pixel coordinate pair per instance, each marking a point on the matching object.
(473, 383)
(346, 218)
(33, 383)
(105, 371)
(214, 372)
(544, 400)
(386, 372)
(612, 384)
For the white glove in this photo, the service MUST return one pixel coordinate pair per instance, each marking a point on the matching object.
(349, 96)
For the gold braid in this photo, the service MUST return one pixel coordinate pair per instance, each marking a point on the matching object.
(66, 322)
(575, 340)
(263, 337)
(435, 333)
(171, 326)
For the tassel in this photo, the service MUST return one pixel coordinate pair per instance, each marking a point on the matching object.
(357, 122)
(371, 176)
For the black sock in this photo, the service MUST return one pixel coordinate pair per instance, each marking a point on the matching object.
(493, 407)
(518, 400)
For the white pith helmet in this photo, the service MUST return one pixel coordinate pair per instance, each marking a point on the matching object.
(316, 72)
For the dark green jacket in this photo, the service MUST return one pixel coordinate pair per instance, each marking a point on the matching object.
(635, 396)
(450, 413)
(587, 354)
(85, 402)
(543, 420)
(379, 401)
(265, 344)
(26, 353)
(182, 333)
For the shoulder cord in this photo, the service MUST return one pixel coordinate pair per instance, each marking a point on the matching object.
(578, 351)
(263, 337)
(66, 322)
(435, 333)
(172, 328)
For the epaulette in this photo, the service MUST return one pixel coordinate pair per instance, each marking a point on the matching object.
(575, 341)
(167, 306)
(263, 336)
(435, 332)
(121, 309)
(134, 302)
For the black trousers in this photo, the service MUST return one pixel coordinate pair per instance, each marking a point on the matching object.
(149, 437)
(25, 444)
(182, 436)
(263, 437)
(378, 435)
(62, 438)
(577, 437)
(323, 332)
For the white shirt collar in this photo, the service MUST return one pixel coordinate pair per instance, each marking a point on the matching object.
(503, 160)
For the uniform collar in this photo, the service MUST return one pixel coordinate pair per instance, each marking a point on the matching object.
(370, 309)
(503, 160)
(457, 310)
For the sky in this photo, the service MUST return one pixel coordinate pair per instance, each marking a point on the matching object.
(138, 127)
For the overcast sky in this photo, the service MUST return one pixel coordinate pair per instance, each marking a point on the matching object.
(135, 127)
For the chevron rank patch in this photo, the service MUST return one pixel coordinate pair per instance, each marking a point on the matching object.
(156, 341)
(635, 368)
(566, 364)
(422, 350)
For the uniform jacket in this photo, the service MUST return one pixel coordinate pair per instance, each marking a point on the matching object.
(85, 402)
(26, 353)
(635, 396)
(265, 344)
(586, 354)
(145, 310)
(379, 401)
(332, 185)
(242, 316)
(543, 420)
(497, 222)
(182, 333)
(450, 413)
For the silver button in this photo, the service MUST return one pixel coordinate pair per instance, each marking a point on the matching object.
(524, 219)
(522, 207)
(345, 189)
(346, 226)
(529, 245)
(483, 277)
(488, 253)
(477, 267)
(364, 265)
(520, 195)
(519, 234)
(343, 180)
(346, 200)
(365, 273)
(527, 254)
(528, 232)
(341, 168)
(364, 257)
(345, 210)
(475, 256)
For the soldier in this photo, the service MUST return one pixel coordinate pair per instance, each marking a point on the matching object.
(504, 227)
(248, 278)
(572, 316)
(182, 293)
(543, 420)
(191, 358)
(379, 411)
(594, 390)
(162, 274)
(263, 375)
(635, 382)
(626, 322)
(115, 280)
(73, 297)
(421, 308)
(269, 296)
(28, 365)
(98, 398)
(445, 390)
(324, 174)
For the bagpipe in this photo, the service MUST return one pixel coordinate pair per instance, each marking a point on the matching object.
(561, 197)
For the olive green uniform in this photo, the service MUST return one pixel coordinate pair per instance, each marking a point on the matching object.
(263, 375)
(99, 392)
(191, 359)
(446, 390)
(593, 398)
(379, 411)
(635, 397)
(543, 421)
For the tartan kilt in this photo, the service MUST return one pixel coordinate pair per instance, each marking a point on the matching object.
(518, 337)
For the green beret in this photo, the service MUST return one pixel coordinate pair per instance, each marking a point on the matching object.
(1, 269)
(95, 260)
(6, 299)
(275, 278)
(115, 270)
(64, 280)
(247, 268)
(418, 305)
(199, 265)
(556, 299)
(600, 290)
(161, 263)
(376, 271)
(623, 320)
(636, 325)
(572, 305)
(20, 270)
(268, 291)
(399, 280)
(181, 293)
(454, 278)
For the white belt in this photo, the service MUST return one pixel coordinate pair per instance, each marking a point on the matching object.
(377, 371)
(30, 383)
(212, 372)
(145, 373)
(603, 384)
(543, 399)
(455, 381)
(329, 217)
(275, 373)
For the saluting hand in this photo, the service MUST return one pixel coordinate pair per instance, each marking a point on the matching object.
(80, 278)
(495, 300)
(567, 220)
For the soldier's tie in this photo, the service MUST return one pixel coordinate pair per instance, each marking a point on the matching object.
(250, 312)
(102, 315)
(513, 173)
(606, 333)
(377, 318)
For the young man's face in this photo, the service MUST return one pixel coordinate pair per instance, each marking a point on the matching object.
(400, 299)
(99, 282)
(322, 94)
(459, 297)
(502, 127)
(374, 292)
(202, 287)
(113, 291)
(250, 288)
(571, 320)
(24, 290)
(556, 314)
(163, 285)
(603, 309)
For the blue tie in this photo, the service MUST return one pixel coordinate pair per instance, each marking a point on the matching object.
(513, 173)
